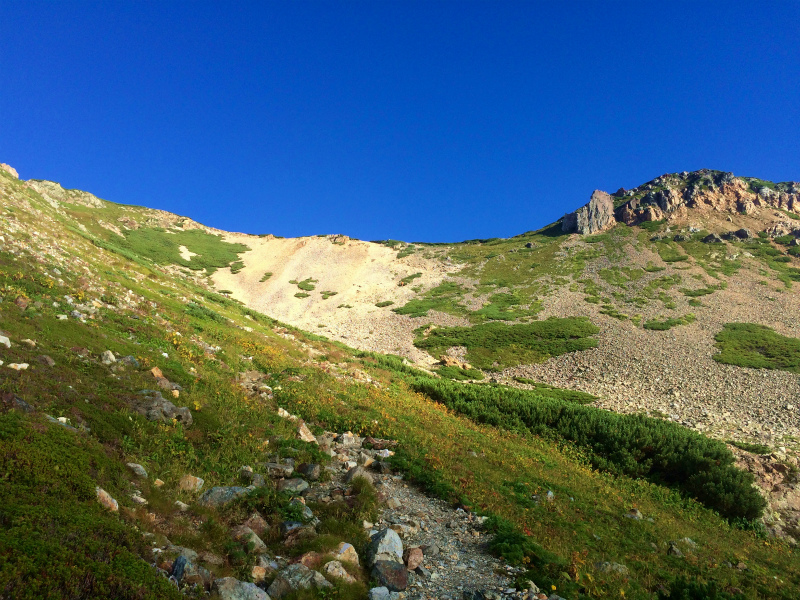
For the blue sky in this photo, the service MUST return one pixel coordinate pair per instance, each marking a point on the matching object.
(420, 121)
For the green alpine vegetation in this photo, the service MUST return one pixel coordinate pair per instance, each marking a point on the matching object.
(757, 346)
(497, 345)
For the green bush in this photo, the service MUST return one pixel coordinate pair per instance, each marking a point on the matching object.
(198, 311)
(684, 589)
(384, 303)
(498, 345)
(459, 374)
(757, 346)
(632, 445)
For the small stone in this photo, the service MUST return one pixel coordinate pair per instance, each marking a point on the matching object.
(294, 578)
(108, 358)
(104, 498)
(674, 550)
(258, 574)
(18, 366)
(158, 483)
(182, 506)
(190, 483)
(393, 503)
(4, 341)
(257, 523)
(138, 470)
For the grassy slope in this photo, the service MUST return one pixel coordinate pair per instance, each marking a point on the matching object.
(231, 429)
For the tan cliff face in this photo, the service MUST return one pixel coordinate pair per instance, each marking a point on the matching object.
(669, 196)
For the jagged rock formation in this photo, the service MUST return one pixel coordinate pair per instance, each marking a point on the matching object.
(672, 194)
(55, 194)
(10, 170)
(594, 217)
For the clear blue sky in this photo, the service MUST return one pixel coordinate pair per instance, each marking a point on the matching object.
(421, 121)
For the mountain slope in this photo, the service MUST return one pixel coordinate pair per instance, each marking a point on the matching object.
(490, 448)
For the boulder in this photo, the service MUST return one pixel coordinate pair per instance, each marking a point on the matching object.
(257, 523)
(229, 588)
(594, 217)
(305, 434)
(357, 472)
(390, 574)
(294, 578)
(4, 341)
(220, 496)
(385, 545)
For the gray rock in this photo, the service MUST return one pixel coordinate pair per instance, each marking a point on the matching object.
(744, 234)
(4, 341)
(45, 360)
(157, 408)
(309, 471)
(9, 401)
(674, 550)
(612, 567)
(108, 357)
(129, 361)
(379, 593)
(712, 238)
(248, 537)
(385, 545)
(596, 216)
(307, 513)
(294, 578)
(220, 496)
(357, 472)
(295, 486)
(229, 588)
(139, 470)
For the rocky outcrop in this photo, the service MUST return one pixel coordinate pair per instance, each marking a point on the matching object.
(594, 217)
(704, 190)
(55, 194)
(10, 170)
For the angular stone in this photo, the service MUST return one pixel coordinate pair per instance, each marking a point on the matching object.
(104, 498)
(412, 557)
(229, 588)
(4, 341)
(138, 470)
(220, 496)
(379, 593)
(108, 358)
(391, 574)
(337, 571)
(294, 578)
(190, 483)
(385, 545)
(257, 523)
(45, 360)
(248, 537)
(310, 471)
(295, 486)
(346, 553)
(305, 434)
(357, 472)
